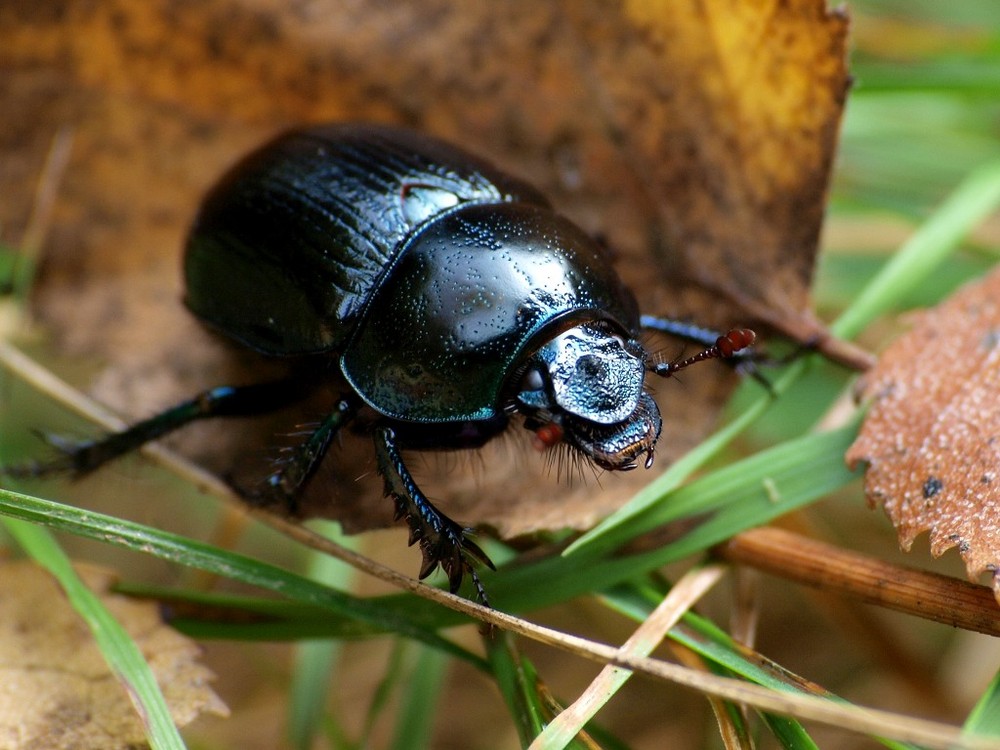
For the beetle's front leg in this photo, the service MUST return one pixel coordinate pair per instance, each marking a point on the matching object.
(442, 541)
(284, 485)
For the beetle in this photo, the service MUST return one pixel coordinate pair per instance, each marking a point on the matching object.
(445, 298)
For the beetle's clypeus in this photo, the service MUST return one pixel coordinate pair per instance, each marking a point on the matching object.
(452, 299)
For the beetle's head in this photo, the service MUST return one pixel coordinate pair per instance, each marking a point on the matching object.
(585, 388)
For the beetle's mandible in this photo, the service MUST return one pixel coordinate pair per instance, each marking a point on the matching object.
(447, 298)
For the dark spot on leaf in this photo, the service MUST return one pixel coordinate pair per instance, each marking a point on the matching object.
(932, 486)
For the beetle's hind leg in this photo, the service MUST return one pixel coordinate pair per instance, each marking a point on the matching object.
(442, 541)
(83, 457)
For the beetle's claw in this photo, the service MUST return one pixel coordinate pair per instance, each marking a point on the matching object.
(452, 549)
(750, 367)
(474, 551)
(71, 458)
(457, 560)
(444, 543)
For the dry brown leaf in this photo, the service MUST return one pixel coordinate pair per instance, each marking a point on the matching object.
(932, 437)
(695, 137)
(56, 690)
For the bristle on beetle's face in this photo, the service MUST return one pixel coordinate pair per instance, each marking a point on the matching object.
(618, 447)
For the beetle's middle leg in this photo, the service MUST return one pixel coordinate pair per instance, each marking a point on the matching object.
(83, 457)
(284, 485)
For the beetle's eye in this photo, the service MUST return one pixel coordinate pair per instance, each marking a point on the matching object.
(620, 340)
(533, 380)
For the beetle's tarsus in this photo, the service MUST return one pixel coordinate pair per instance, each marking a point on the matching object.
(751, 370)
(480, 589)
(73, 457)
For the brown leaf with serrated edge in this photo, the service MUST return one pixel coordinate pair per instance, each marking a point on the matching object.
(696, 138)
(932, 436)
(56, 690)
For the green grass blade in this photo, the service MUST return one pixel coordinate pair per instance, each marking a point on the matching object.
(681, 469)
(984, 719)
(746, 493)
(727, 501)
(415, 722)
(120, 651)
(729, 658)
(976, 198)
(315, 660)
(718, 505)
(973, 200)
(518, 682)
(192, 553)
(790, 733)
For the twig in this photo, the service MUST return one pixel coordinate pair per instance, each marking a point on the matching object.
(932, 596)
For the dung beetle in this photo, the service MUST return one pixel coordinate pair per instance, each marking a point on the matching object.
(444, 298)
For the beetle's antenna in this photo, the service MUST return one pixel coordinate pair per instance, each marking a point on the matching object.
(724, 348)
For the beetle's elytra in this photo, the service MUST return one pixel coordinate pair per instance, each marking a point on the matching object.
(449, 297)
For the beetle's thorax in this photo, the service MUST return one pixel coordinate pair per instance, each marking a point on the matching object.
(585, 387)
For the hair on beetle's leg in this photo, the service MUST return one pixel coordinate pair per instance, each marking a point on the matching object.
(82, 457)
(442, 541)
(284, 485)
